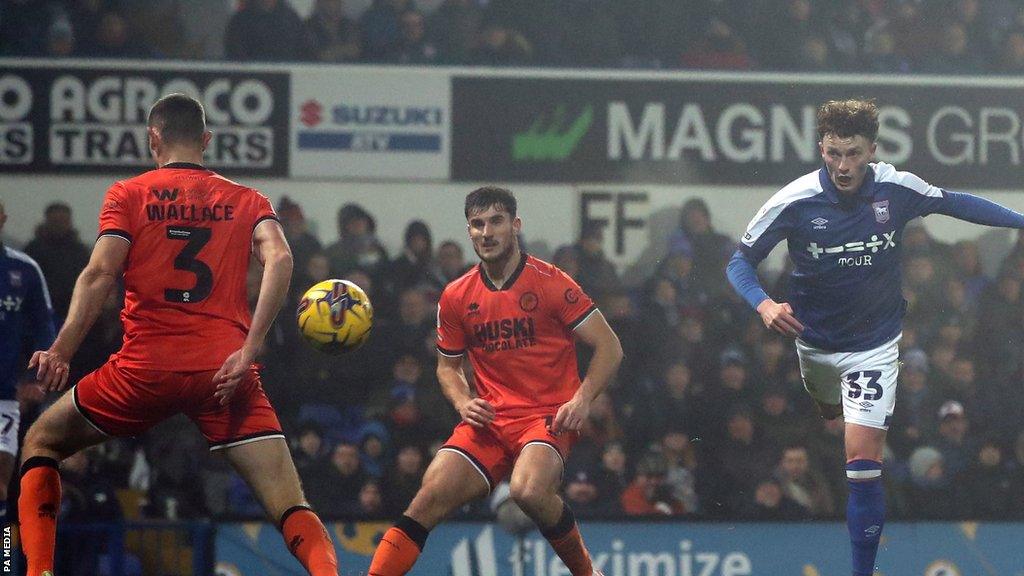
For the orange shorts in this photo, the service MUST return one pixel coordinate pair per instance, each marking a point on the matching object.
(122, 401)
(493, 450)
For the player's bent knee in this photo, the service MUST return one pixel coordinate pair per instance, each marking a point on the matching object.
(528, 495)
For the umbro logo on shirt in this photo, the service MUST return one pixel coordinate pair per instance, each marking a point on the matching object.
(473, 309)
(819, 223)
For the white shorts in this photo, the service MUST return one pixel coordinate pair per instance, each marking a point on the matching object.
(10, 418)
(864, 382)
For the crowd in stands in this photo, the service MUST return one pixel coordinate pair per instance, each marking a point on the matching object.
(885, 36)
(707, 417)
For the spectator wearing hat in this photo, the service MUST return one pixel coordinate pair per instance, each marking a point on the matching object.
(373, 448)
(930, 494)
(710, 249)
(919, 403)
(597, 274)
(60, 254)
(296, 230)
(952, 440)
(357, 245)
(586, 494)
(415, 267)
(733, 384)
(648, 494)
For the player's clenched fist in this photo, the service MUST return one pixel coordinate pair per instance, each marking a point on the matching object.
(779, 317)
(53, 370)
(477, 412)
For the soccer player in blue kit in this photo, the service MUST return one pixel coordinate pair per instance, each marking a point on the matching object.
(843, 225)
(25, 310)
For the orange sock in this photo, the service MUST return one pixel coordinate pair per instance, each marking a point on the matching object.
(38, 506)
(567, 542)
(399, 548)
(308, 541)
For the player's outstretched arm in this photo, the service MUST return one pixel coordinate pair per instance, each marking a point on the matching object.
(596, 333)
(474, 411)
(271, 249)
(92, 287)
(978, 210)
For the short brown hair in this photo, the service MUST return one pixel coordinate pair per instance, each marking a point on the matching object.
(848, 118)
(179, 118)
(487, 196)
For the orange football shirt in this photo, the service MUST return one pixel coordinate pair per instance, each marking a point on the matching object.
(519, 338)
(190, 231)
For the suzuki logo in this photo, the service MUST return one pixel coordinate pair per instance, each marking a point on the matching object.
(310, 113)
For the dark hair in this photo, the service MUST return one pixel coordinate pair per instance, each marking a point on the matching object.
(488, 196)
(179, 118)
(418, 228)
(55, 207)
(848, 118)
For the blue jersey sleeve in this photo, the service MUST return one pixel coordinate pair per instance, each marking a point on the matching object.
(40, 312)
(975, 209)
(771, 225)
(742, 274)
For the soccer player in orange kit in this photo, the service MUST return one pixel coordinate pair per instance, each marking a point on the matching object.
(517, 318)
(181, 236)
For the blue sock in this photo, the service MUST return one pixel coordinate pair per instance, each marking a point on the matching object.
(865, 513)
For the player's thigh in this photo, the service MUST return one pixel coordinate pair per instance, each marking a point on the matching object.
(60, 431)
(869, 386)
(266, 466)
(537, 473)
(820, 373)
(450, 481)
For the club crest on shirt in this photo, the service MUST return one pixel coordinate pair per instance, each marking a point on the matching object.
(572, 295)
(15, 278)
(528, 302)
(881, 211)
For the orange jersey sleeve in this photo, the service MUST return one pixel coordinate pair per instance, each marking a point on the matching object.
(569, 303)
(116, 213)
(451, 335)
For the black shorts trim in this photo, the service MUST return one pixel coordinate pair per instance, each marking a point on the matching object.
(551, 444)
(575, 323)
(85, 413)
(476, 464)
(254, 437)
